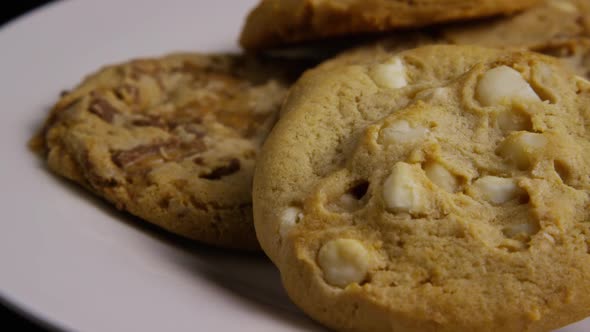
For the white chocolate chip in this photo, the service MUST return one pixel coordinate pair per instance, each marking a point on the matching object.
(511, 121)
(564, 6)
(441, 176)
(496, 190)
(544, 72)
(289, 218)
(348, 200)
(525, 229)
(549, 237)
(434, 95)
(402, 192)
(390, 75)
(346, 203)
(522, 147)
(582, 83)
(532, 140)
(503, 84)
(343, 261)
(401, 132)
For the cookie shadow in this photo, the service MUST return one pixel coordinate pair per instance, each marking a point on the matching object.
(251, 280)
(247, 277)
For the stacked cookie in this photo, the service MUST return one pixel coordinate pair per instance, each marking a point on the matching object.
(437, 188)
(444, 188)
(432, 179)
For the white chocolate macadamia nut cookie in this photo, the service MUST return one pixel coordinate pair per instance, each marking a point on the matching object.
(445, 188)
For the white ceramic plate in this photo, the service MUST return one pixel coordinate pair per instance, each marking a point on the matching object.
(68, 258)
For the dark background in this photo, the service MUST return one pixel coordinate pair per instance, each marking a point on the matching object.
(13, 9)
(10, 317)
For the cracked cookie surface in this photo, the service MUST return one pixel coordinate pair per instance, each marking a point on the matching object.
(172, 140)
(444, 188)
(278, 22)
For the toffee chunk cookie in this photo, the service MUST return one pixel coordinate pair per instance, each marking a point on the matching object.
(445, 188)
(277, 22)
(172, 140)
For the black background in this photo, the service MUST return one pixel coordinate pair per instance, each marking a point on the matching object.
(13, 9)
(11, 317)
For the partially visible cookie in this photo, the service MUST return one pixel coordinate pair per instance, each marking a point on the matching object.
(443, 188)
(278, 22)
(382, 48)
(550, 22)
(560, 28)
(172, 140)
(574, 53)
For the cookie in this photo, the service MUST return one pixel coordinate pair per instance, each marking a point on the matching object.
(444, 188)
(574, 53)
(275, 22)
(560, 28)
(172, 140)
(550, 22)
